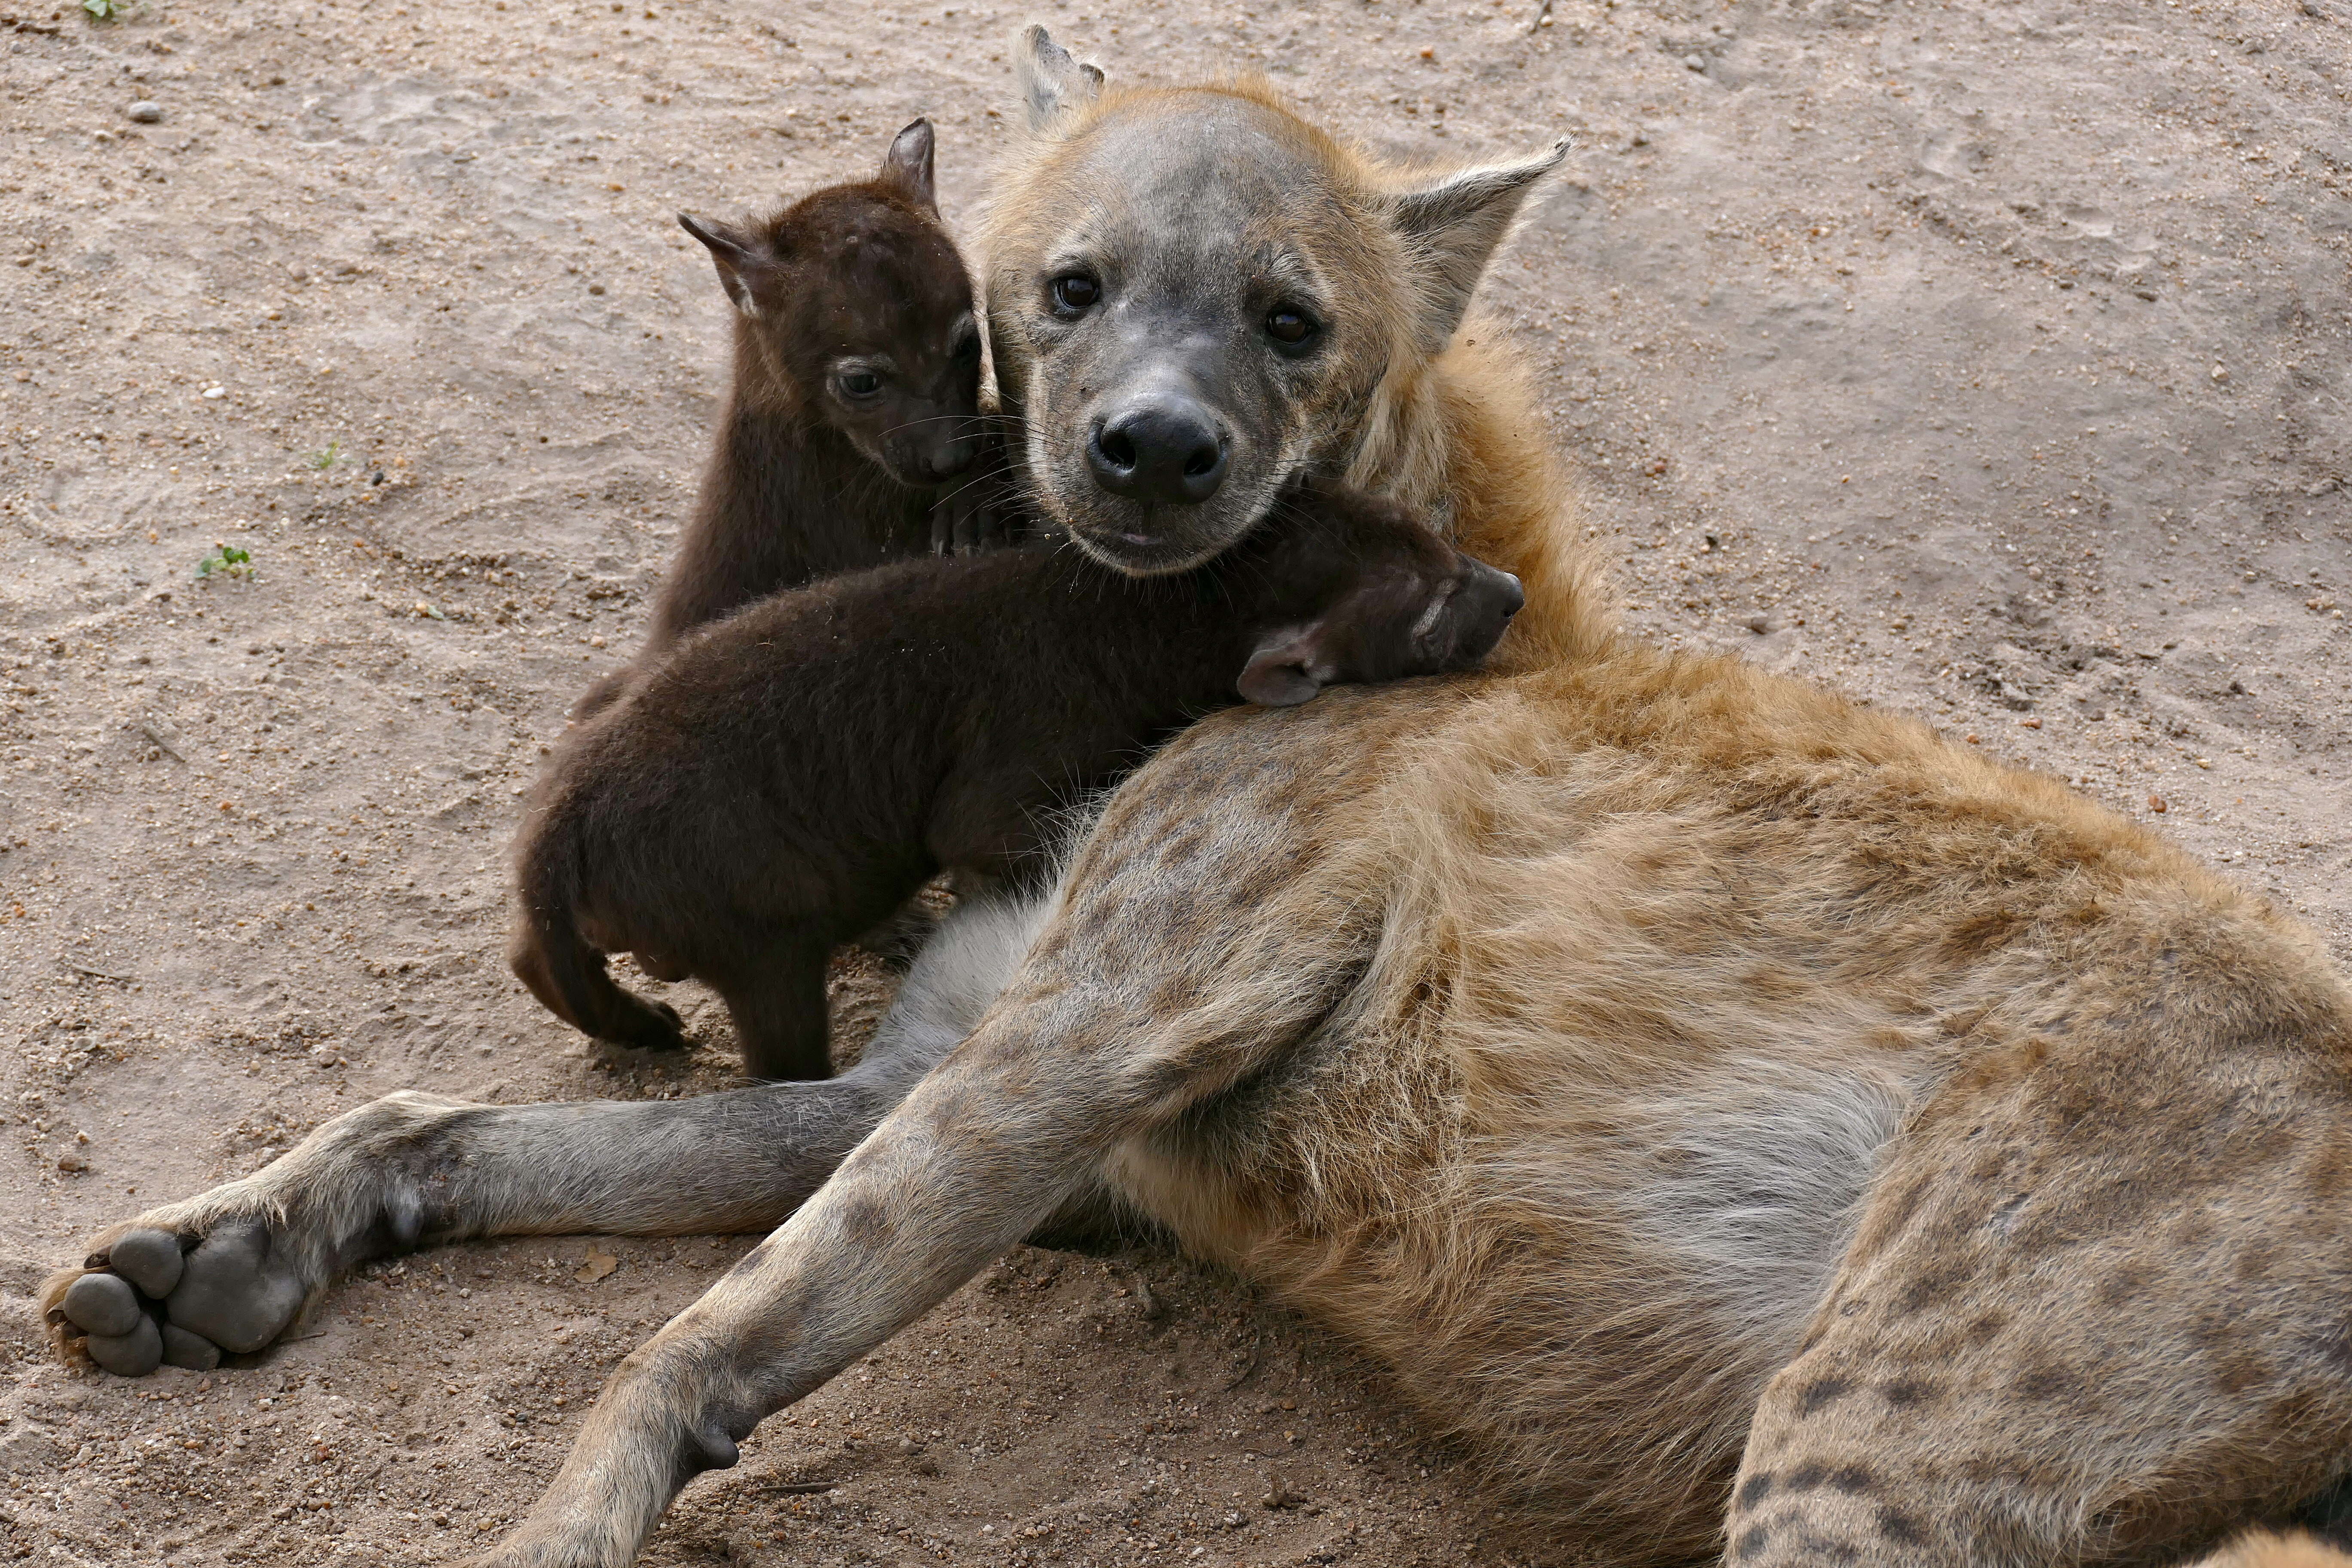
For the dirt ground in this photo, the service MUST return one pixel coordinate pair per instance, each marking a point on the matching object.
(1988, 362)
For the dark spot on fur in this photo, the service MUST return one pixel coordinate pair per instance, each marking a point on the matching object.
(2127, 1283)
(1755, 1488)
(1927, 1289)
(1854, 1480)
(1805, 1477)
(1984, 1329)
(1752, 1543)
(2237, 1373)
(2048, 1383)
(1900, 1528)
(1905, 1391)
(865, 1223)
(1823, 1392)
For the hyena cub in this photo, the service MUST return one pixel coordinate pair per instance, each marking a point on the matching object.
(793, 772)
(852, 427)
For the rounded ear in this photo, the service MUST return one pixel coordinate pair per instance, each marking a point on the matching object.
(732, 252)
(908, 164)
(1453, 225)
(1054, 83)
(1281, 673)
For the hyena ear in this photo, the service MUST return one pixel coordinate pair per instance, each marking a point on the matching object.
(908, 164)
(1054, 83)
(734, 253)
(1453, 226)
(1289, 666)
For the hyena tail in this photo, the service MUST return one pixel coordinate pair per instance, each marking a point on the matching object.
(548, 953)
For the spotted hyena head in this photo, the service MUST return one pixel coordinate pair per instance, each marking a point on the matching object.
(1196, 299)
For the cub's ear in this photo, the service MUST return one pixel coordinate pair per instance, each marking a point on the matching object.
(736, 255)
(1054, 83)
(1452, 227)
(908, 164)
(1287, 669)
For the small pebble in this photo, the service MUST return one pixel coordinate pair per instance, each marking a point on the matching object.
(1760, 624)
(148, 1259)
(134, 1355)
(102, 1304)
(147, 111)
(1694, 62)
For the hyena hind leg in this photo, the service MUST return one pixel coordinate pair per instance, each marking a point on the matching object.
(2028, 1368)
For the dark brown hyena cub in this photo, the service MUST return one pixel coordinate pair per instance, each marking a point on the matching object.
(853, 432)
(793, 773)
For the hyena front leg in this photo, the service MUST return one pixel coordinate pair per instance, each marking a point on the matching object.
(231, 1269)
(2094, 1312)
(1195, 940)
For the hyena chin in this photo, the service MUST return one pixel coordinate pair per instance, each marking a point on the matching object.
(1196, 297)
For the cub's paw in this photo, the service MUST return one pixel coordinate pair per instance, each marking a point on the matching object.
(646, 1026)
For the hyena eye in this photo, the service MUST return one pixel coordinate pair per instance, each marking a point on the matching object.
(858, 382)
(1288, 325)
(1074, 292)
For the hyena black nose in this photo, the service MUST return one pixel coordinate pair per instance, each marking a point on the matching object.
(1166, 449)
(946, 460)
(1487, 602)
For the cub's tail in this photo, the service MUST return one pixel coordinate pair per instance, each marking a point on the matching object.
(548, 953)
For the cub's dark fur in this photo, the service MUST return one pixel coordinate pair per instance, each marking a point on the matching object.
(854, 418)
(793, 773)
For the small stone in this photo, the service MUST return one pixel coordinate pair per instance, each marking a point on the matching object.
(1760, 624)
(1694, 62)
(134, 1355)
(102, 1304)
(148, 1259)
(2156, 803)
(147, 111)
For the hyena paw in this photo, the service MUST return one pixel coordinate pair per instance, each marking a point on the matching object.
(148, 1295)
(229, 1271)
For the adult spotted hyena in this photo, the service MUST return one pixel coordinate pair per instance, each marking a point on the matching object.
(1758, 1126)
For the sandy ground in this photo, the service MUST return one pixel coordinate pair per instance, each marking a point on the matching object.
(1989, 362)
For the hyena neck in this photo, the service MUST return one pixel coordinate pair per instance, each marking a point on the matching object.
(1457, 437)
(786, 499)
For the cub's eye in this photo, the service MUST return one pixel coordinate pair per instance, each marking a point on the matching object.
(858, 382)
(968, 346)
(1288, 325)
(1074, 292)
